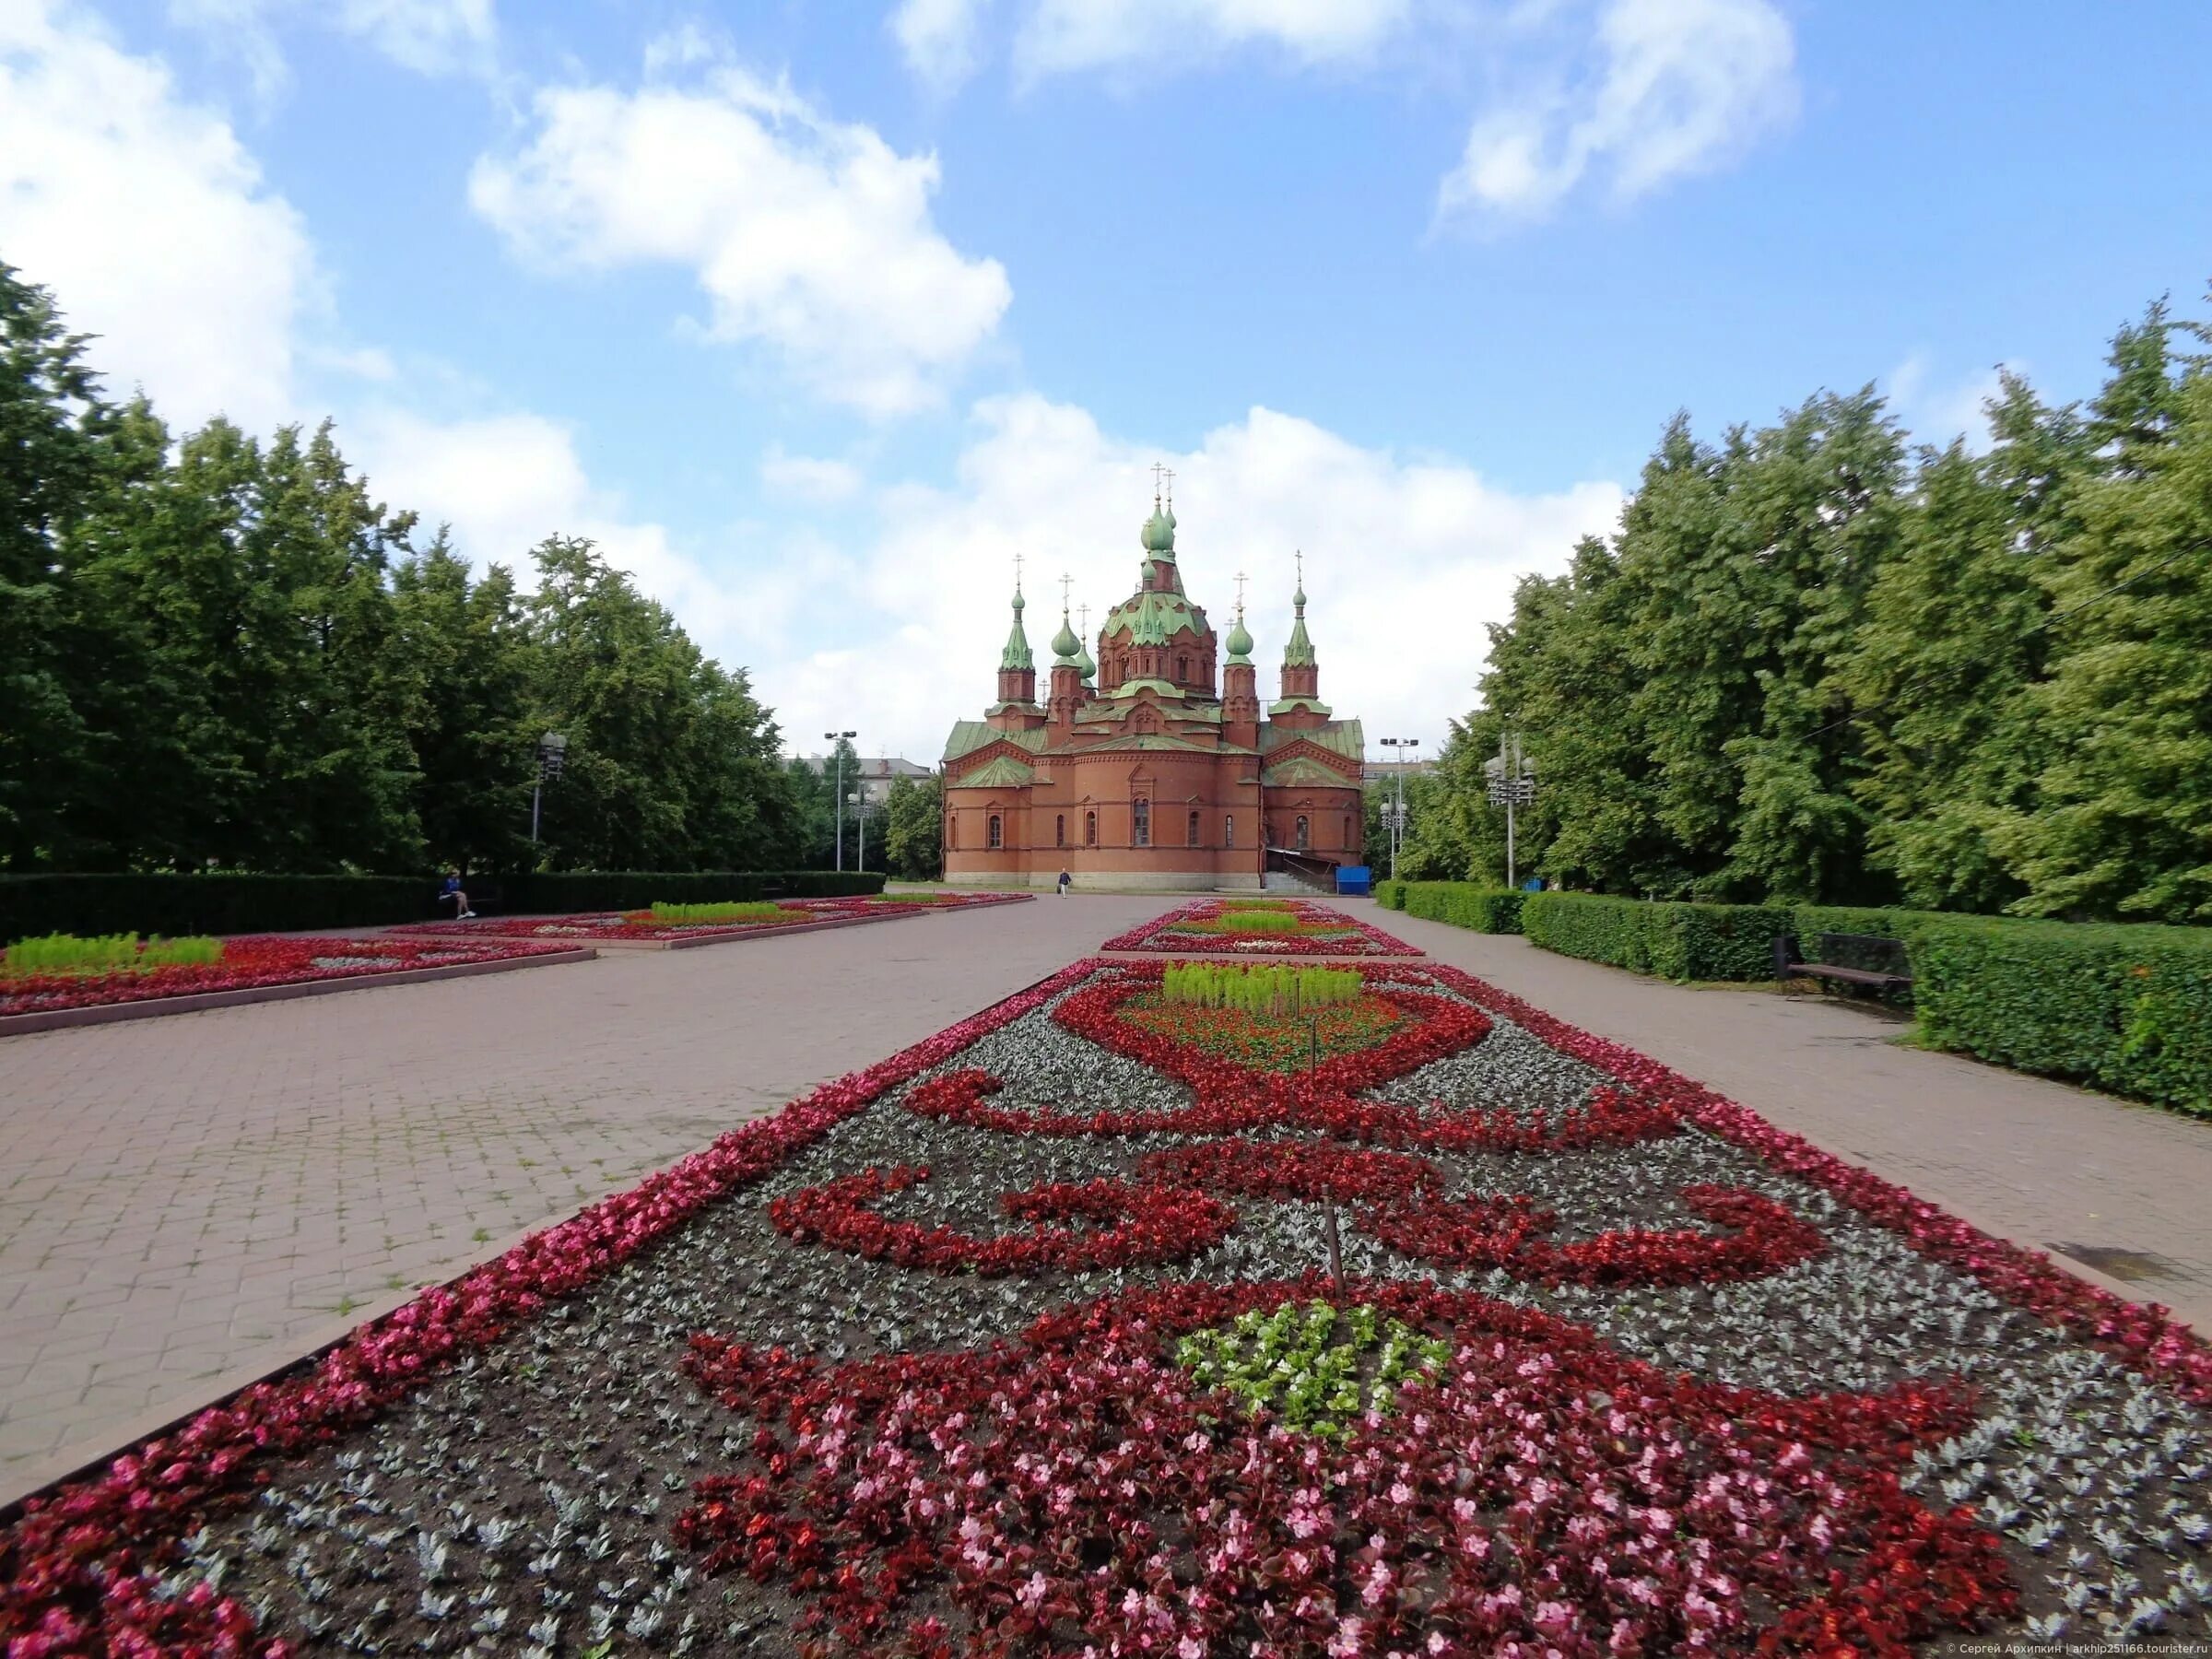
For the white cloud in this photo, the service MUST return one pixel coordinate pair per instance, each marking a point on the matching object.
(431, 36)
(938, 38)
(1936, 410)
(811, 237)
(149, 221)
(1680, 87)
(1405, 560)
(504, 483)
(809, 477)
(1064, 35)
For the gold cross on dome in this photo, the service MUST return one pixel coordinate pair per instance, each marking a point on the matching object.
(1017, 572)
(1170, 475)
(1242, 579)
(1067, 583)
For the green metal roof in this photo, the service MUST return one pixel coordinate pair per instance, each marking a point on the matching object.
(998, 773)
(1338, 736)
(1153, 615)
(968, 735)
(1017, 654)
(1304, 770)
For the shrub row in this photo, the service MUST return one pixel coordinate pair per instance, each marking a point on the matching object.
(2127, 1009)
(1674, 941)
(33, 906)
(1467, 904)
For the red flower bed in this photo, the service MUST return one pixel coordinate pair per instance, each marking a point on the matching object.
(1305, 929)
(72, 1568)
(599, 924)
(1151, 1224)
(2144, 1335)
(1509, 1234)
(249, 963)
(1542, 1496)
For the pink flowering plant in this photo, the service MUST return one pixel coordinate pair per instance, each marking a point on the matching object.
(1069, 1334)
(1292, 927)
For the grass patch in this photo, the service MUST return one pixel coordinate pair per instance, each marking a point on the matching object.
(1258, 988)
(109, 953)
(759, 910)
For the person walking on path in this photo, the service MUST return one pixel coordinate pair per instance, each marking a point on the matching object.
(1065, 882)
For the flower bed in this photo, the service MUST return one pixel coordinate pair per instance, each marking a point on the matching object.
(613, 926)
(1284, 928)
(1020, 1343)
(247, 964)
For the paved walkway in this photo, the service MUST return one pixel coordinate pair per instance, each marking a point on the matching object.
(188, 1202)
(192, 1200)
(2020, 1157)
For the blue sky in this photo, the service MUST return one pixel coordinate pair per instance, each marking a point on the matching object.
(816, 314)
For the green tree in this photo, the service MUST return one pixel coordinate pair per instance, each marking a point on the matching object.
(913, 836)
(53, 443)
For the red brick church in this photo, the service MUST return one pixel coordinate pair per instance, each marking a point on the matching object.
(1155, 766)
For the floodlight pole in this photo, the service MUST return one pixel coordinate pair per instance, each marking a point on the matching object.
(837, 798)
(1397, 815)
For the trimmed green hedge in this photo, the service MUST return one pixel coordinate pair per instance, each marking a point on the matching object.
(1467, 904)
(2126, 1008)
(546, 895)
(33, 906)
(1391, 895)
(1674, 941)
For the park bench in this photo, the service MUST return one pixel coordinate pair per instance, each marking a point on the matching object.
(483, 895)
(1865, 961)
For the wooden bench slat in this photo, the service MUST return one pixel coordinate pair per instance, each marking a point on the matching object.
(1857, 976)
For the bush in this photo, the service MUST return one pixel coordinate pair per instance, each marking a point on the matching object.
(2127, 1009)
(1391, 895)
(32, 906)
(1467, 904)
(1675, 941)
(751, 910)
(110, 953)
(565, 892)
(1258, 989)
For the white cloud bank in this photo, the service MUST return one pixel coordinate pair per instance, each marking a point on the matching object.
(1406, 560)
(430, 37)
(150, 222)
(1677, 87)
(809, 236)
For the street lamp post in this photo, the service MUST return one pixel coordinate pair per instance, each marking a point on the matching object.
(837, 799)
(1395, 814)
(552, 754)
(1513, 782)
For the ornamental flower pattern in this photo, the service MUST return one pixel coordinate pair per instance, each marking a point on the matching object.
(1709, 1389)
(1299, 928)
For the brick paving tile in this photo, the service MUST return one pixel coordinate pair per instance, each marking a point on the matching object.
(2025, 1157)
(229, 1186)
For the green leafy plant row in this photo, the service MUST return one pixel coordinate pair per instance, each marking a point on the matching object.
(32, 906)
(108, 953)
(754, 911)
(1292, 1362)
(1467, 904)
(1254, 988)
(1674, 941)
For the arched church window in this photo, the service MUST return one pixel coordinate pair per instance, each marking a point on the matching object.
(952, 830)
(1140, 823)
(998, 832)
(1347, 829)
(1193, 832)
(1060, 830)
(1228, 830)
(1303, 840)
(1091, 829)
(1183, 668)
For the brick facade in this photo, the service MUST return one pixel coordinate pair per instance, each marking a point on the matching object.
(1158, 767)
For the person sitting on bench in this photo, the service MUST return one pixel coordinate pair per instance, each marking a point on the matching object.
(452, 891)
